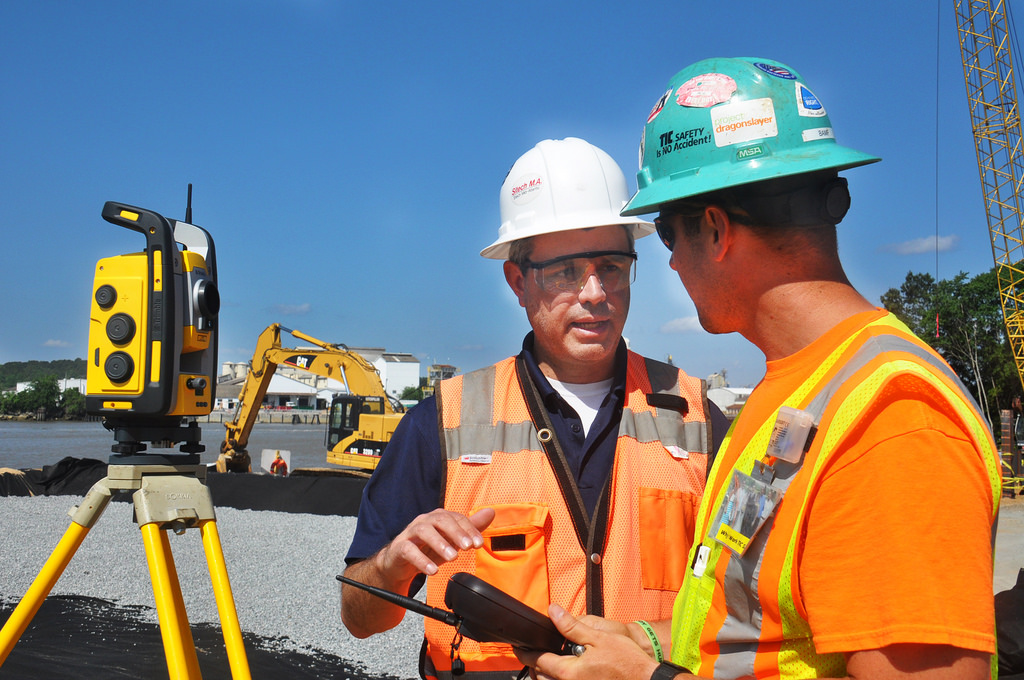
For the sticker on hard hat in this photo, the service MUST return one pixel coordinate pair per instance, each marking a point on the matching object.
(776, 71)
(744, 122)
(705, 90)
(673, 140)
(526, 188)
(806, 103)
(659, 106)
(818, 133)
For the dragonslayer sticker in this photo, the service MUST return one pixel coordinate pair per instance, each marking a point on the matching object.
(659, 106)
(705, 90)
(744, 122)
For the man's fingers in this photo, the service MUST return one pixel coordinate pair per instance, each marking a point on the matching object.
(568, 625)
(480, 520)
(435, 538)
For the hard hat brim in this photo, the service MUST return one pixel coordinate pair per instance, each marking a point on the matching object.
(701, 180)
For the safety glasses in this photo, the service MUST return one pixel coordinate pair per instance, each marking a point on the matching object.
(569, 273)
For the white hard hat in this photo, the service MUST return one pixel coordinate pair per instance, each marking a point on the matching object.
(560, 185)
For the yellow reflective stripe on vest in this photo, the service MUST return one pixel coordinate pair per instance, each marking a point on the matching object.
(797, 655)
(694, 599)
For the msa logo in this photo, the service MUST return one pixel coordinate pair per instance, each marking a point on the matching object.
(749, 152)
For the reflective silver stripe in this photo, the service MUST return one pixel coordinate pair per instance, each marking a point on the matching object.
(477, 432)
(473, 438)
(741, 629)
(693, 436)
(666, 428)
(872, 348)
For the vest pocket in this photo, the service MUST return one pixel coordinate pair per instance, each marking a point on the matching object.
(667, 523)
(513, 556)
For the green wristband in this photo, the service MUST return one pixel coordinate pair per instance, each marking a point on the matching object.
(648, 630)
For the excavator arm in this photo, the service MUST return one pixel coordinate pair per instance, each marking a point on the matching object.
(330, 360)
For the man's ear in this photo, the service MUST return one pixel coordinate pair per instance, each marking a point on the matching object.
(516, 281)
(721, 231)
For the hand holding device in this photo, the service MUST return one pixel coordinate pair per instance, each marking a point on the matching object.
(484, 613)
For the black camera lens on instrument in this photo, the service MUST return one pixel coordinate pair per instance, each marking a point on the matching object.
(106, 296)
(207, 298)
(119, 367)
(120, 328)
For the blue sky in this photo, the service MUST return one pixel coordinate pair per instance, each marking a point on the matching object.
(346, 157)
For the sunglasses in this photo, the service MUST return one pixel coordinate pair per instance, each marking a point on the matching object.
(666, 232)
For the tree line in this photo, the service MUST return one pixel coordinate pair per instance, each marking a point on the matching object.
(962, 319)
(44, 391)
(44, 395)
(14, 372)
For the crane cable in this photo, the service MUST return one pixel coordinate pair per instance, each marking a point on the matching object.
(938, 42)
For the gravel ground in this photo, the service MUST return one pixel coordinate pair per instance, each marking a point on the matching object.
(281, 567)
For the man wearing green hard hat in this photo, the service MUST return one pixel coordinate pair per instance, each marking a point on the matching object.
(847, 524)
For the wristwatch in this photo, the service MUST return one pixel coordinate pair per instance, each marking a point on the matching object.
(667, 671)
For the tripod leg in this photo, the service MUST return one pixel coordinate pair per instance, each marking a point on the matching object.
(83, 518)
(40, 588)
(179, 647)
(225, 601)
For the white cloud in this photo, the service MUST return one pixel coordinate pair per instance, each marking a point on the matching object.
(56, 343)
(292, 310)
(686, 324)
(920, 246)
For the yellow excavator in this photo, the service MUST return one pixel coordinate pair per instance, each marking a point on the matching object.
(360, 423)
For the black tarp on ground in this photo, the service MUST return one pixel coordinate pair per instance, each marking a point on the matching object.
(84, 638)
(327, 494)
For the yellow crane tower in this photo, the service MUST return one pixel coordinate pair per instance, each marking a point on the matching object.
(985, 39)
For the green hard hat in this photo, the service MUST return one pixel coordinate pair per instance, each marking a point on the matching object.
(725, 122)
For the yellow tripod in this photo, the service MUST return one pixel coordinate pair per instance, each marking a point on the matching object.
(166, 497)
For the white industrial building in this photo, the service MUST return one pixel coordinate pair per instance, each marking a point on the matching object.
(62, 384)
(729, 399)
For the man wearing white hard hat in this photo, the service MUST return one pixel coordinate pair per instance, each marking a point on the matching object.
(554, 475)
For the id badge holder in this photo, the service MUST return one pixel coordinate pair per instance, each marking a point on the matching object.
(747, 505)
(751, 499)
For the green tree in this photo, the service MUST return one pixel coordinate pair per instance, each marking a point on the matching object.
(10, 403)
(411, 393)
(73, 403)
(962, 319)
(43, 394)
(14, 372)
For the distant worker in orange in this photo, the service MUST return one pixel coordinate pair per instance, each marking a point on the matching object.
(543, 473)
(874, 478)
(279, 466)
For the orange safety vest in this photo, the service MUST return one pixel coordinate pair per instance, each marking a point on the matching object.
(714, 631)
(626, 562)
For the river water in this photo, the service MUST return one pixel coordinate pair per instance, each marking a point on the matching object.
(35, 444)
